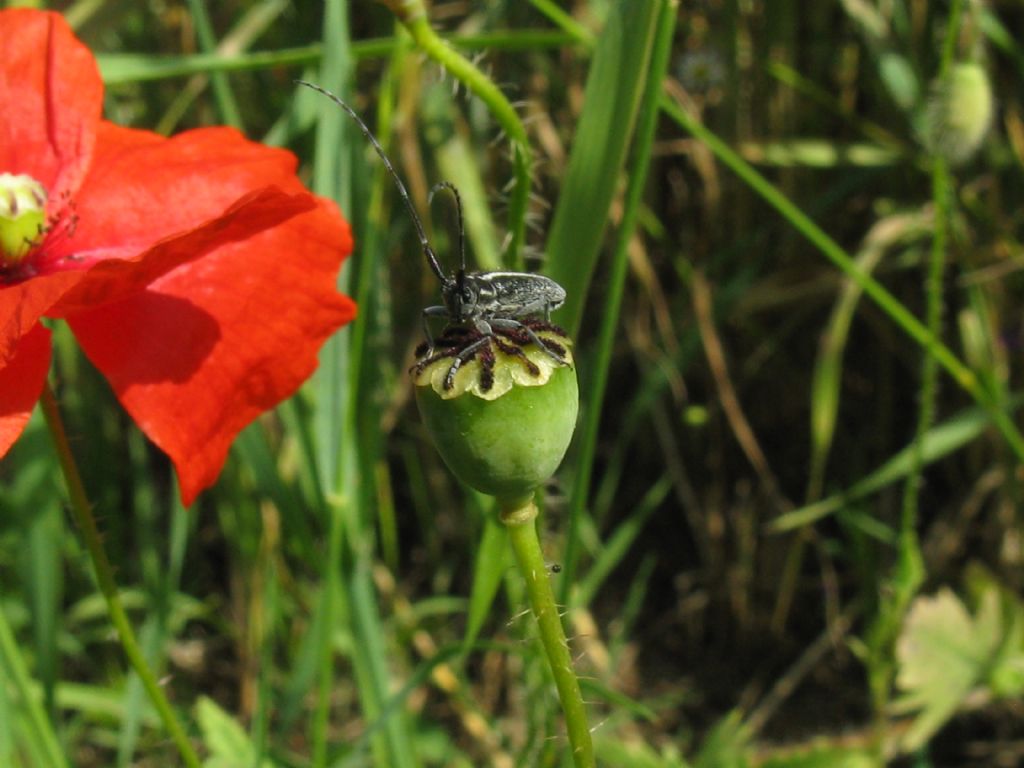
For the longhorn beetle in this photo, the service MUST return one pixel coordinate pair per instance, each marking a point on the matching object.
(483, 300)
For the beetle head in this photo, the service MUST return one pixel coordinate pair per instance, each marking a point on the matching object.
(460, 295)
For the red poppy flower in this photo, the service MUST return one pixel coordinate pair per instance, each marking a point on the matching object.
(196, 272)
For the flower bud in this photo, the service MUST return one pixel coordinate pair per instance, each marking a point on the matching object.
(501, 419)
(959, 113)
(22, 216)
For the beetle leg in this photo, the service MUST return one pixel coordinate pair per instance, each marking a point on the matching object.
(461, 357)
(428, 313)
(516, 325)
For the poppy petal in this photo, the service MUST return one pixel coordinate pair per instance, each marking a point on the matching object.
(211, 345)
(52, 94)
(22, 304)
(115, 278)
(143, 188)
(21, 382)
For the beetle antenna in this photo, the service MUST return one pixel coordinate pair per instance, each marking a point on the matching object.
(458, 215)
(424, 243)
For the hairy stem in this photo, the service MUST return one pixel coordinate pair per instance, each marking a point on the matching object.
(520, 521)
(413, 14)
(81, 511)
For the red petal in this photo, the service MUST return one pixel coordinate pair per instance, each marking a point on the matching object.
(213, 344)
(131, 221)
(59, 293)
(52, 95)
(21, 382)
(114, 278)
(22, 305)
(143, 188)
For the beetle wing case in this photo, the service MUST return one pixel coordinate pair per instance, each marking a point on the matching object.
(518, 294)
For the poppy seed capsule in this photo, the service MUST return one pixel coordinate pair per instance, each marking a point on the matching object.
(503, 420)
(22, 215)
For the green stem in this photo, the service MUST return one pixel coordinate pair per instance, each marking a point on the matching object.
(81, 511)
(909, 572)
(413, 15)
(929, 369)
(909, 549)
(956, 8)
(226, 103)
(961, 374)
(519, 520)
(120, 68)
(566, 22)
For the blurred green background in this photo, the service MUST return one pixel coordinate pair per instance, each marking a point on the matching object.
(770, 554)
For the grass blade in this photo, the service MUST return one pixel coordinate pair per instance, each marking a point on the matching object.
(599, 152)
(938, 443)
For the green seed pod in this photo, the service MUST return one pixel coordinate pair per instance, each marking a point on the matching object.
(503, 421)
(22, 216)
(959, 113)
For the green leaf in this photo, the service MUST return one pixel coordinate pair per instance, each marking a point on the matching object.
(819, 153)
(945, 654)
(227, 741)
(458, 163)
(940, 441)
(491, 557)
(637, 754)
(726, 746)
(828, 368)
(614, 88)
(822, 756)
(897, 73)
(1006, 671)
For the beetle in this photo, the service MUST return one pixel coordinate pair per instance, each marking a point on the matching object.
(485, 301)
